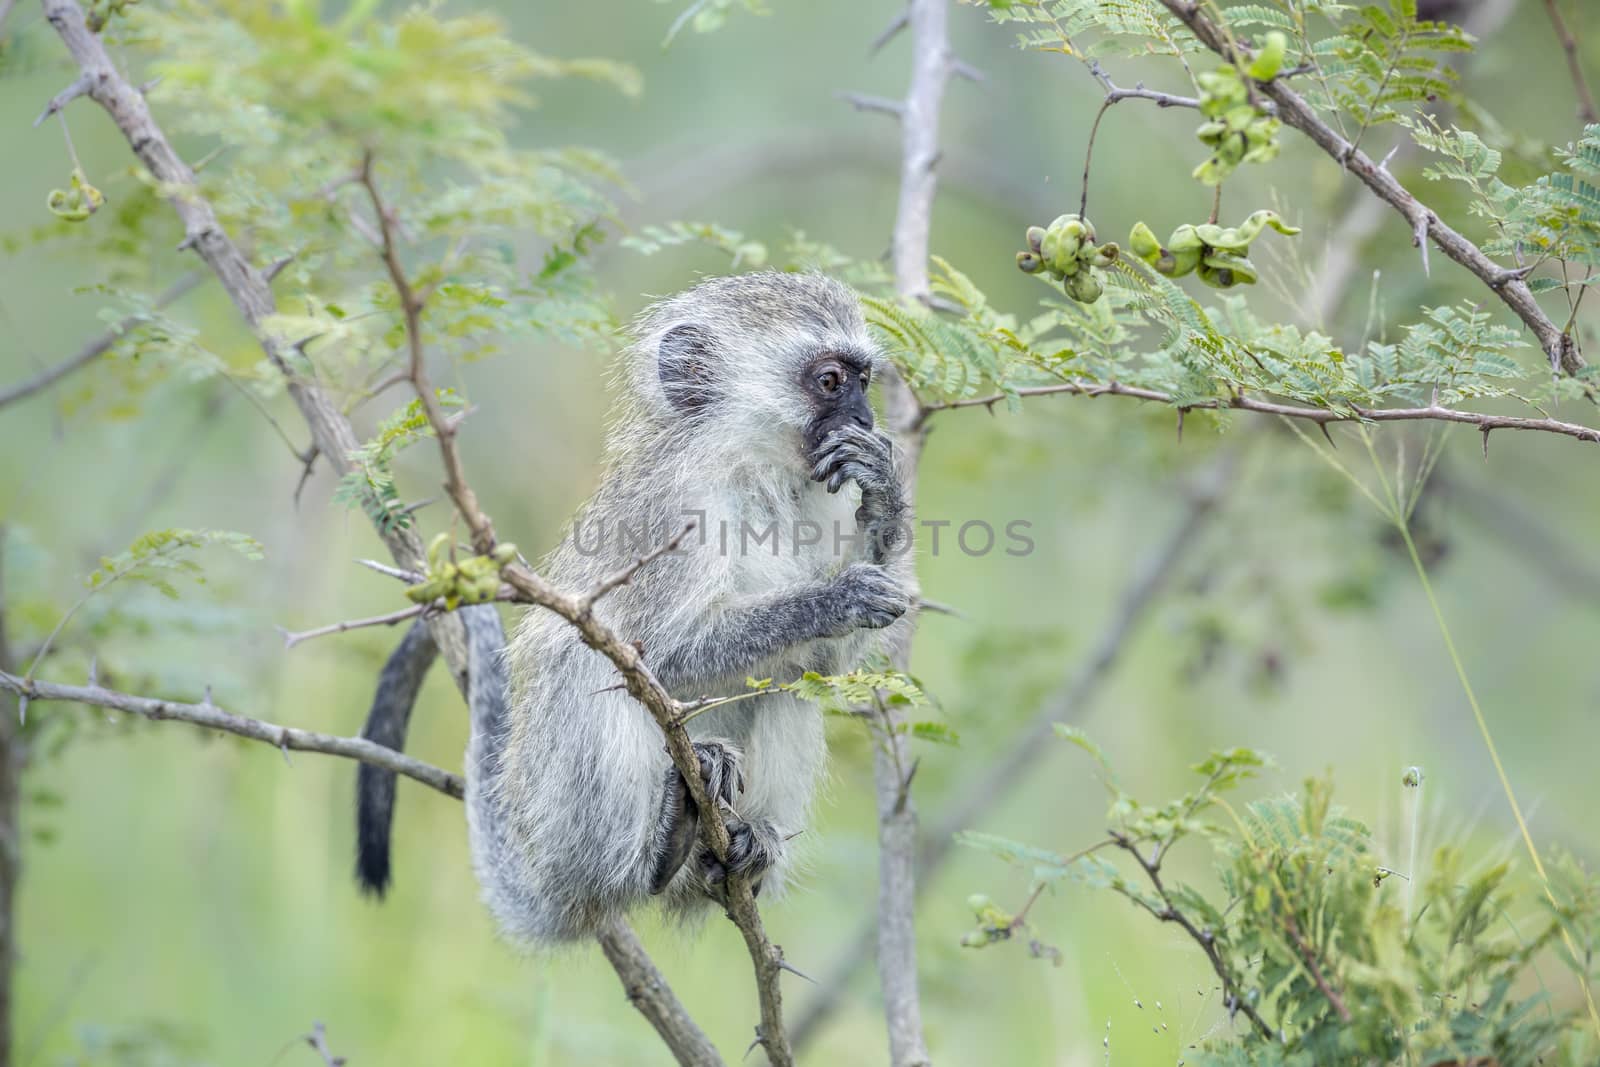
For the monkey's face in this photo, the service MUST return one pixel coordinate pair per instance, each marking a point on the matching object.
(835, 387)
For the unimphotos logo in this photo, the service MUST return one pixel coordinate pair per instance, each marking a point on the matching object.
(975, 538)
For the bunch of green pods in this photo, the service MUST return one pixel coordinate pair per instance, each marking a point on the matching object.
(1066, 250)
(1236, 129)
(1219, 254)
(78, 202)
(470, 581)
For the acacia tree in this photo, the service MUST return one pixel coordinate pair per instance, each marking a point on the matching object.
(354, 224)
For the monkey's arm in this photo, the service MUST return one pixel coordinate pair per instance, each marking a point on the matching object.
(739, 637)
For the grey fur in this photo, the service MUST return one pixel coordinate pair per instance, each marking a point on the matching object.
(575, 812)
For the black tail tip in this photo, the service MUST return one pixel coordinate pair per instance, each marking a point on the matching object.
(372, 874)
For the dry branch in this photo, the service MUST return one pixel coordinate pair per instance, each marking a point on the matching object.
(212, 717)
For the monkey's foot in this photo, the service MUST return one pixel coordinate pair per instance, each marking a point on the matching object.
(679, 823)
(752, 848)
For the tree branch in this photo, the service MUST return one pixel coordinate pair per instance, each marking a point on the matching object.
(1569, 46)
(1172, 914)
(95, 348)
(1425, 223)
(212, 717)
(649, 993)
(1485, 424)
(932, 66)
(1067, 704)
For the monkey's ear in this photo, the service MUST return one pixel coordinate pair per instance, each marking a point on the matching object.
(684, 363)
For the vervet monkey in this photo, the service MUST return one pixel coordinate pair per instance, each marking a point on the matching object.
(744, 409)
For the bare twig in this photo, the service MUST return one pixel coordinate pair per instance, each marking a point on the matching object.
(1322, 416)
(900, 22)
(318, 1040)
(95, 348)
(1507, 284)
(62, 99)
(1569, 46)
(210, 716)
(626, 574)
(292, 637)
(867, 102)
(409, 577)
(1066, 704)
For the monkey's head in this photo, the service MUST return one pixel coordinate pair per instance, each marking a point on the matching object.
(776, 359)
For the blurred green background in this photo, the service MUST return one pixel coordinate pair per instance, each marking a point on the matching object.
(200, 889)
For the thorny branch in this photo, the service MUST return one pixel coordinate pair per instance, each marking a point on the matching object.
(1505, 283)
(212, 717)
(1204, 938)
(335, 439)
(1485, 424)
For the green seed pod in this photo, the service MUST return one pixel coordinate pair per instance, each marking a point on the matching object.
(1035, 238)
(1223, 271)
(436, 550)
(1105, 254)
(1269, 60)
(1029, 262)
(1185, 239)
(504, 553)
(1179, 263)
(426, 592)
(1084, 287)
(1252, 226)
(1143, 244)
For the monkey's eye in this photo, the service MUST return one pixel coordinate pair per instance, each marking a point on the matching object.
(866, 378)
(829, 381)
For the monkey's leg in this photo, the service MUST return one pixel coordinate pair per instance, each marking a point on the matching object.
(679, 825)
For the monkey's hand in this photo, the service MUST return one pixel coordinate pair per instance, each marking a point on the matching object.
(864, 596)
(679, 825)
(854, 453)
(752, 848)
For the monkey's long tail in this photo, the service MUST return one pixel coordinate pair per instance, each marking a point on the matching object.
(390, 714)
(386, 725)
